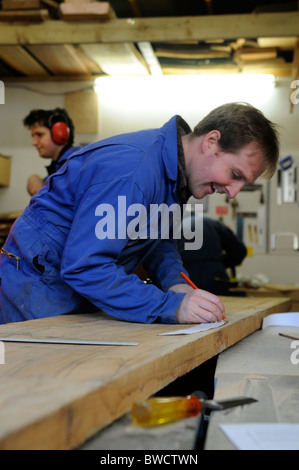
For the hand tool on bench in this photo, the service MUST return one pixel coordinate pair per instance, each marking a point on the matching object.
(160, 410)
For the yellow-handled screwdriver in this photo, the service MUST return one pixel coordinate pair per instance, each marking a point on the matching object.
(162, 410)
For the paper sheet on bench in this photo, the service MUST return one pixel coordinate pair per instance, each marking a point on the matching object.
(282, 319)
(194, 329)
(263, 436)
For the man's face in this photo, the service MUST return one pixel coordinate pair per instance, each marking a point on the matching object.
(41, 139)
(226, 173)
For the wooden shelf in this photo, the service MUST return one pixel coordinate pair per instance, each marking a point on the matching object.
(62, 42)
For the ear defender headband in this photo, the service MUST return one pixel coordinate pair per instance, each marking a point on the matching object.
(60, 131)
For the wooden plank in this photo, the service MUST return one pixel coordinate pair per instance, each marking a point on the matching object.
(255, 53)
(59, 59)
(117, 59)
(277, 68)
(79, 1)
(86, 11)
(153, 29)
(21, 4)
(91, 65)
(284, 43)
(202, 70)
(57, 396)
(51, 78)
(274, 68)
(24, 15)
(19, 59)
(194, 53)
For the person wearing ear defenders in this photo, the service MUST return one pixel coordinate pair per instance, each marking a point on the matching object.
(52, 134)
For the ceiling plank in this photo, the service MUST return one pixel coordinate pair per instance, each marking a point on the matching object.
(59, 59)
(24, 15)
(276, 67)
(196, 53)
(19, 59)
(116, 59)
(21, 4)
(152, 29)
(91, 65)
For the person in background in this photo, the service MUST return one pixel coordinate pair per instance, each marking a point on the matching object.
(52, 134)
(221, 249)
(207, 268)
(76, 240)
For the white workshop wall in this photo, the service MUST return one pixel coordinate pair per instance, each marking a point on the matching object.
(127, 104)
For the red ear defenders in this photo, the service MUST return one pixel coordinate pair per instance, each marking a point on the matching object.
(60, 131)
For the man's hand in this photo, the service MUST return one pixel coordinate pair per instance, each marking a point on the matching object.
(200, 306)
(34, 184)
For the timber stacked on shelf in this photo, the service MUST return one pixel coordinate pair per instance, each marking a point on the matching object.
(23, 10)
(39, 10)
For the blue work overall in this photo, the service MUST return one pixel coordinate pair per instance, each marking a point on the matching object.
(57, 263)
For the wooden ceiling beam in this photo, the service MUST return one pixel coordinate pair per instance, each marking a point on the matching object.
(19, 59)
(152, 29)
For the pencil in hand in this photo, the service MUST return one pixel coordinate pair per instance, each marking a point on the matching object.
(195, 287)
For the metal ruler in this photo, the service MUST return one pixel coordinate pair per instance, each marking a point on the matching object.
(67, 341)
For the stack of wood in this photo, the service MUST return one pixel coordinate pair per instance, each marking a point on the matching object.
(67, 60)
(23, 10)
(85, 10)
(69, 10)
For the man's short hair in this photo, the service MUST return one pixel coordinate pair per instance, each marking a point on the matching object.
(240, 124)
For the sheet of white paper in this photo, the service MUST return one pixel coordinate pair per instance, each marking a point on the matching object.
(282, 319)
(194, 329)
(263, 436)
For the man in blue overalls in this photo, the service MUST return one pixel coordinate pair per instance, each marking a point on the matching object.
(52, 133)
(78, 244)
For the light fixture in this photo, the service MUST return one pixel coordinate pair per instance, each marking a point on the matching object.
(188, 95)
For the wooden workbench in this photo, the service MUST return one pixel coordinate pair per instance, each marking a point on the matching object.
(56, 396)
